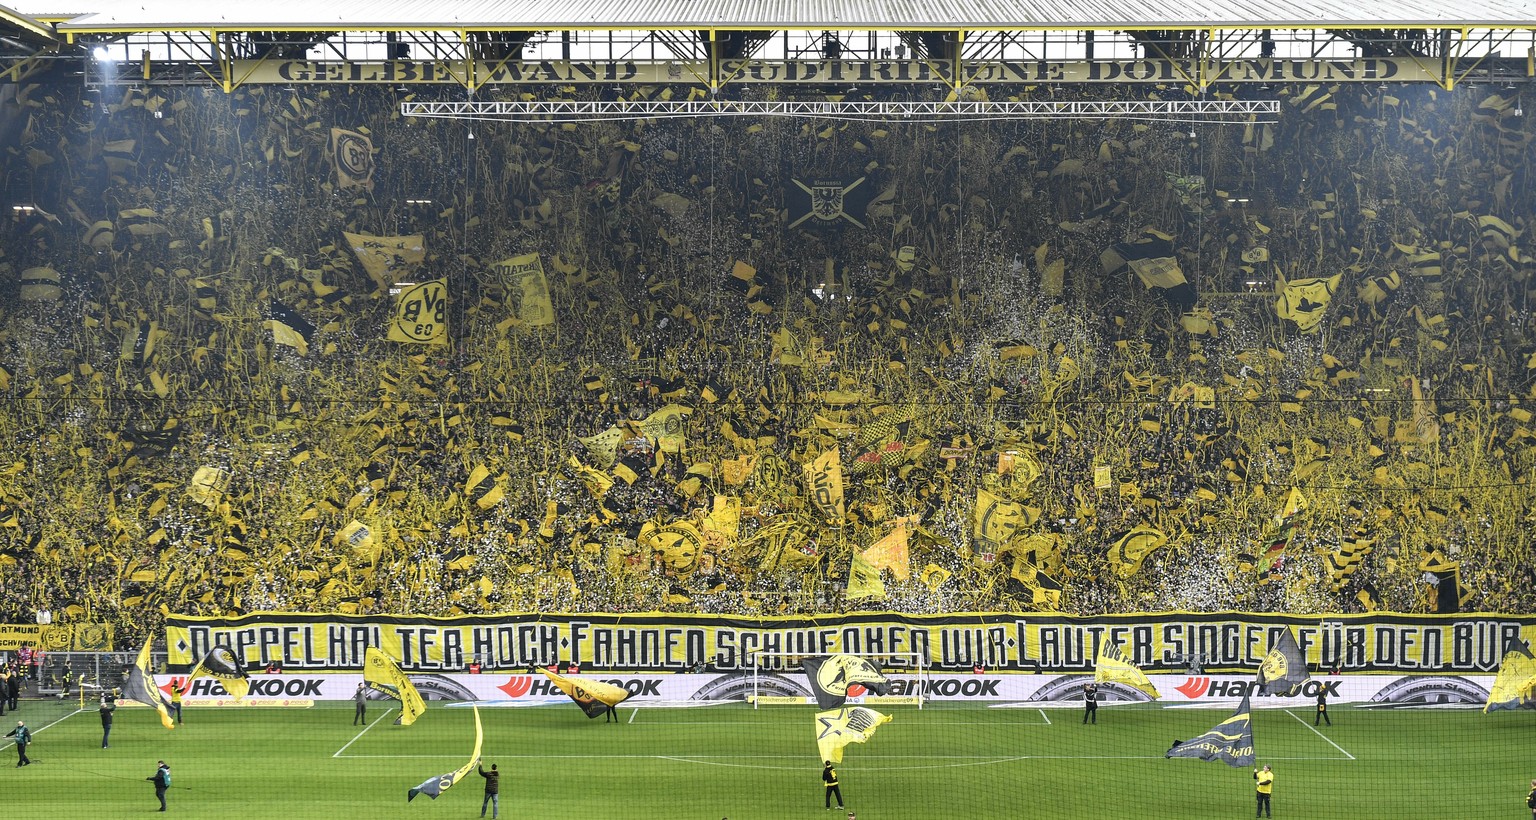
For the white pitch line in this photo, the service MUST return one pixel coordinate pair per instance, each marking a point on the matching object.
(1320, 734)
(983, 760)
(1044, 715)
(632, 714)
(363, 732)
(11, 743)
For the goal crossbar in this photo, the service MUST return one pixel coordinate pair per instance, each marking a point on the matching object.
(778, 678)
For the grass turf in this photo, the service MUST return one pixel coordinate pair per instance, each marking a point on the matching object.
(966, 761)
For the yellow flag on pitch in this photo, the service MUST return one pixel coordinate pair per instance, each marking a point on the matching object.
(1113, 666)
(837, 728)
(382, 674)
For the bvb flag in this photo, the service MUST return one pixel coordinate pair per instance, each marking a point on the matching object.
(383, 675)
(831, 676)
(893, 551)
(438, 784)
(995, 520)
(1133, 546)
(828, 202)
(141, 687)
(352, 156)
(824, 478)
(864, 579)
(523, 277)
(1284, 669)
(421, 314)
(594, 697)
(839, 727)
(1304, 301)
(1114, 667)
(1230, 741)
(1515, 687)
(222, 664)
(289, 328)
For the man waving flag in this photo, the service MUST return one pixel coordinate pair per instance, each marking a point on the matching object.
(383, 675)
(438, 784)
(1230, 741)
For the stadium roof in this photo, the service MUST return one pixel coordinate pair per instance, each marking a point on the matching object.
(115, 16)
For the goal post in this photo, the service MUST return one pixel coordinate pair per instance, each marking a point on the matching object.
(778, 678)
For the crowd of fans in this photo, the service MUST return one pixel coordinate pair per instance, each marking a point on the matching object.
(961, 320)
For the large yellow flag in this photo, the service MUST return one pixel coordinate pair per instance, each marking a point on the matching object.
(665, 427)
(1303, 301)
(679, 544)
(837, 728)
(388, 259)
(382, 674)
(1114, 667)
(593, 696)
(421, 313)
(892, 552)
(523, 277)
(824, 480)
(1515, 686)
(994, 521)
(864, 580)
(1132, 547)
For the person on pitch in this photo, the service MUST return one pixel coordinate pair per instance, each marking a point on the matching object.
(23, 737)
(829, 779)
(492, 790)
(1091, 702)
(162, 780)
(1322, 706)
(360, 697)
(1530, 800)
(1266, 785)
(177, 690)
(108, 706)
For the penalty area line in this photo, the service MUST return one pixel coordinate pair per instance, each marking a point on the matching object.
(363, 732)
(10, 744)
(1044, 715)
(1320, 734)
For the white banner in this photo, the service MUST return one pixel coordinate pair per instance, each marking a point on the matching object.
(502, 689)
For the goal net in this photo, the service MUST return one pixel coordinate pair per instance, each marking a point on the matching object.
(779, 679)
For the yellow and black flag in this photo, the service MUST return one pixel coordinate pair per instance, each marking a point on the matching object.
(864, 580)
(382, 674)
(1284, 669)
(289, 328)
(1132, 547)
(837, 728)
(1152, 258)
(594, 697)
(1113, 666)
(352, 157)
(1304, 301)
(141, 687)
(421, 313)
(438, 784)
(1515, 686)
(824, 480)
(224, 666)
(831, 676)
(1229, 742)
(1443, 576)
(528, 290)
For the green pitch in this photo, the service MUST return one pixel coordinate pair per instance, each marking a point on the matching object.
(732, 761)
